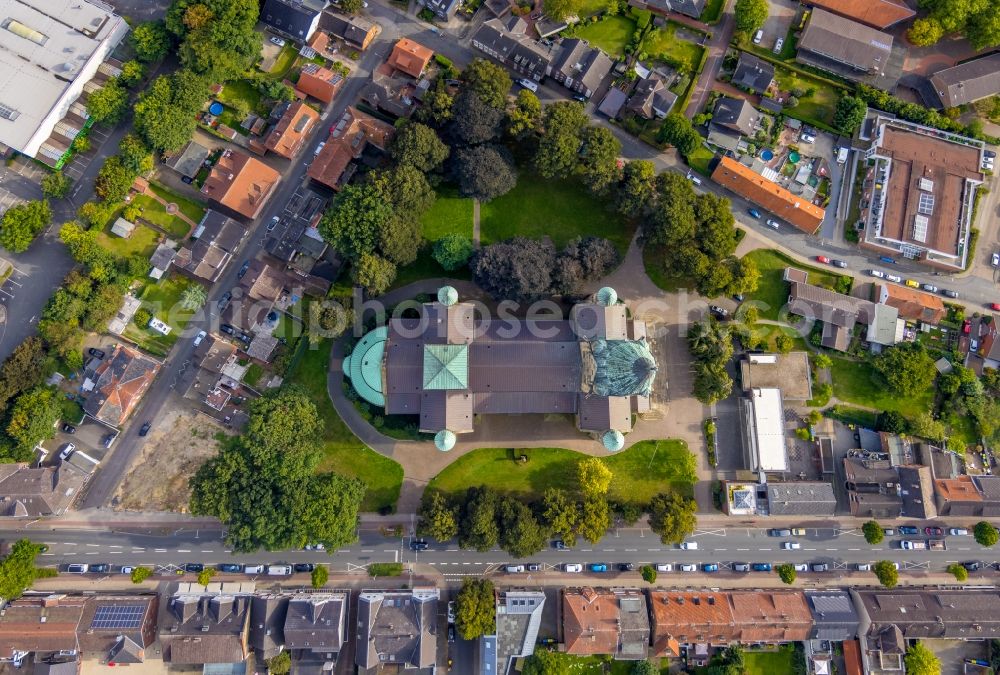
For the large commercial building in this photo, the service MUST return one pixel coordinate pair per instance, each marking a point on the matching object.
(849, 49)
(449, 366)
(53, 53)
(920, 192)
(764, 441)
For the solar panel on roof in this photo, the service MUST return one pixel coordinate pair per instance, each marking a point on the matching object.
(920, 228)
(118, 616)
(926, 204)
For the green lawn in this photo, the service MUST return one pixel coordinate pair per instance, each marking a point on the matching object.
(700, 159)
(642, 471)
(284, 62)
(713, 11)
(665, 45)
(342, 451)
(451, 214)
(856, 382)
(819, 106)
(559, 209)
(591, 7)
(192, 209)
(426, 267)
(769, 663)
(241, 90)
(155, 213)
(772, 292)
(162, 299)
(610, 34)
(142, 242)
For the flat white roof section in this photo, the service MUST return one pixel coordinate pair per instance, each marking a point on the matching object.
(48, 50)
(766, 431)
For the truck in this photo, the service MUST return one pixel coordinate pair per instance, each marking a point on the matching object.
(936, 544)
(842, 155)
(913, 545)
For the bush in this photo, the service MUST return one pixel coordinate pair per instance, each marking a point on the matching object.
(648, 573)
(385, 569)
(142, 318)
(961, 574)
(986, 535)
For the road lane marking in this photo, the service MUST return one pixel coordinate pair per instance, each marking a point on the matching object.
(205, 551)
(160, 550)
(183, 550)
(94, 545)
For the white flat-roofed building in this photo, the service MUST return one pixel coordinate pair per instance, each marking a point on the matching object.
(764, 441)
(50, 50)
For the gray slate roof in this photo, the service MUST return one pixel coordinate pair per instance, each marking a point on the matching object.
(188, 161)
(583, 63)
(968, 82)
(397, 627)
(291, 17)
(845, 41)
(753, 73)
(801, 499)
(834, 615)
(735, 114)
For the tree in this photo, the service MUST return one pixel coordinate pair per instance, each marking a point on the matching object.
(280, 663)
(594, 476)
(558, 150)
(986, 534)
(478, 528)
(134, 155)
(925, 31)
(676, 130)
(151, 41)
(891, 421)
(561, 515)
(874, 534)
(473, 120)
(354, 221)
(193, 297)
(25, 368)
(644, 667)
(113, 180)
(351, 6)
(518, 269)
(783, 343)
(205, 576)
(907, 368)
(648, 573)
(599, 163)
(419, 146)
(108, 104)
(961, 574)
(33, 417)
(140, 574)
(484, 172)
(374, 273)
(786, 572)
(595, 518)
(920, 660)
(636, 189)
(672, 516)
(520, 533)
(750, 15)
(320, 575)
(820, 360)
(17, 570)
(489, 81)
(132, 73)
(886, 572)
(452, 251)
(438, 516)
(850, 113)
(437, 105)
(56, 185)
(217, 36)
(925, 426)
(165, 112)
(584, 259)
(475, 609)
(21, 223)
(557, 10)
(526, 114)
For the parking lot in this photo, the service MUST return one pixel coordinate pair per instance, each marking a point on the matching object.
(78, 164)
(779, 20)
(88, 438)
(20, 182)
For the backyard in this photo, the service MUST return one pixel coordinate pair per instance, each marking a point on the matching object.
(162, 299)
(450, 214)
(818, 104)
(610, 34)
(772, 291)
(154, 212)
(640, 472)
(343, 453)
(142, 242)
(856, 382)
(559, 209)
(664, 44)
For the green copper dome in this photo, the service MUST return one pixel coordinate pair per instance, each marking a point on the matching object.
(623, 367)
(364, 366)
(447, 295)
(612, 440)
(444, 440)
(607, 296)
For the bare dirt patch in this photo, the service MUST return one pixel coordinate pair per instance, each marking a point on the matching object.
(159, 479)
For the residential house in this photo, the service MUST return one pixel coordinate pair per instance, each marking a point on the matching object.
(910, 303)
(240, 184)
(44, 491)
(117, 384)
(580, 67)
(395, 94)
(295, 19)
(989, 345)
(161, 259)
(267, 623)
(689, 619)
(320, 83)
(613, 102)
(118, 629)
(216, 238)
(968, 496)
(263, 286)
(507, 41)
(753, 74)
(355, 30)
(886, 328)
(651, 99)
(967, 82)
(189, 160)
(880, 14)
(216, 355)
(444, 10)
(409, 57)
(605, 621)
(397, 628)
(293, 128)
(849, 49)
(917, 613)
(918, 193)
(803, 498)
(732, 118)
(130, 305)
(877, 488)
(315, 626)
(692, 8)
(833, 613)
(916, 489)
(202, 627)
(837, 312)
(40, 625)
(351, 137)
(519, 617)
(303, 249)
(794, 209)
(789, 372)
(771, 617)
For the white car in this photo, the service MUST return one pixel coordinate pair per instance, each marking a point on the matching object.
(894, 278)
(801, 567)
(758, 36)
(688, 567)
(773, 223)
(995, 259)
(199, 337)
(807, 138)
(67, 451)
(791, 546)
(777, 48)
(319, 149)
(273, 224)
(573, 567)
(879, 274)
(958, 532)
(277, 41)
(128, 570)
(665, 567)
(689, 546)
(863, 567)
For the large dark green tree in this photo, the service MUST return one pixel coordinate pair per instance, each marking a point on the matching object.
(151, 41)
(850, 113)
(489, 81)
(475, 609)
(474, 121)
(599, 159)
(217, 36)
(419, 145)
(521, 534)
(479, 528)
(21, 223)
(750, 15)
(18, 571)
(676, 130)
(672, 516)
(108, 104)
(165, 113)
(563, 123)
(907, 368)
(637, 188)
(485, 172)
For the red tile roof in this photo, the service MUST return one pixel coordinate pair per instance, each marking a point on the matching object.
(119, 384)
(348, 140)
(684, 617)
(241, 183)
(292, 130)
(875, 13)
(747, 183)
(410, 57)
(320, 83)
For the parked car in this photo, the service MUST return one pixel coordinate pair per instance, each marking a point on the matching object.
(96, 353)
(230, 567)
(798, 531)
(273, 224)
(277, 41)
(534, 567)
(958, 532)
(530, 85)
(820, 567)
(889, 531)
(971, 566)
(777, 48)
(930, 288)
(771, 222)
(199, 337)
(598, 567)
(879, 274)
(100, 568)
(838, 263)
(710, 567)
(791, 545)
(933, 531)
(227, 329)
(887, 259)
(319, 149)
(127, 569)
(741, 567)
(758, 36)
(303, 567)
(823, 259)
(279, 570)
(990, 154)
(801, 567)
(995, 306)
(688, 567)
(580, 98)
(807, 138)
(573, 567)
(67, 451)
(451, 633)
(68, 428)
(451, 611)
(754, 212)
(196, 568)
(560, 545)
(77, 568)
(664, 567)
(419, 545)
(689, 545)
(863, 567)
(243, 269)
(912, 283)
(224, 300)
(514, 569)
(895, 278)
(253, 569)
(144, 429)
(908, 529)
(626, 567)
(761, 567)
(950, 293)
(108, 440)
(779, 532)
(995, 259)
(718, 312)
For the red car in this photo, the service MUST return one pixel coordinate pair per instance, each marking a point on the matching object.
(995, 306)
(966, 327)
(933, 531)
(822, 259)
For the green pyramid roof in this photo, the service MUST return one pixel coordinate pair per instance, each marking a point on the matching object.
(623, 367)
(446, 366)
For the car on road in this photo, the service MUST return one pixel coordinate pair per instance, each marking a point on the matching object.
(230, 567)
(710, 567)
(908, 529)
(688, 567)
(451, 633)
(741, 567)
(96, 353)
(887, 259)
(761, 567)
(451, 611)
(279, 570)
(127, 569)
(303, 567)
(419, 545)
(144, 429)
(950, 293)
(838, 263)
(253, 569)
(243, 269)
(863, 567)
(319, 149)
(598, 567)
(798, 531)
(199, 337)
(779, 532)
(718, 312)
(823, 259)
(771, 222)
(560, 545)
(689, 545)
(580, 98)
(195, 568)
(791, 545)
(930, 288)
(995, 306)
(995, 259)
(68, 428)
(227, 329)
(573, 567)
(878, 274)
(889, 531)
(224, 300)
(820, 567)
(100, 568)
(971, 566)
(664, 567)
(77, 568)
(777, 48)
(514, 569)
(67, 451)
(895, 278)
(534, 567)
(626, 567)
(273, 224)
(933, 531)
(912, 283)
(754, 212)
